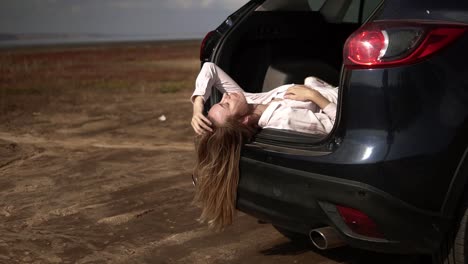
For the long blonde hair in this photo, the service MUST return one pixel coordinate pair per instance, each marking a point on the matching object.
(217, 172)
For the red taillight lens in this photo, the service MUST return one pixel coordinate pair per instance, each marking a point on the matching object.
(366, 48)
(387, 43)
(359, 222)
(204, 44)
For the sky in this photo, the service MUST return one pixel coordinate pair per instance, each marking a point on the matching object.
(166, 18)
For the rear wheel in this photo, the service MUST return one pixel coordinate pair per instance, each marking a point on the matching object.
(454, 249)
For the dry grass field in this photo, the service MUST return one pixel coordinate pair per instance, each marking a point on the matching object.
(45, 79)
(95, 159)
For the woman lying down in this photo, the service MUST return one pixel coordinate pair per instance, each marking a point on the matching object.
(308, 108)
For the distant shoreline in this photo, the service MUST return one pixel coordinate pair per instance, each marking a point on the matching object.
(93, 43)
(11, 40)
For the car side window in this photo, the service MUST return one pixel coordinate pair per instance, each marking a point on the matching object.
(315, 5)
(369, 8)
(353, 13)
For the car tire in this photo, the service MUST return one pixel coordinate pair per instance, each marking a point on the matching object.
(453, 250)
(295, 237)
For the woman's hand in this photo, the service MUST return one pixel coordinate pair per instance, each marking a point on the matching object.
(304, 93)
(200, 123)
(299, 93)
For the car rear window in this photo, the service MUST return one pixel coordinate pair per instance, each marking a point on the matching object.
(334, 11)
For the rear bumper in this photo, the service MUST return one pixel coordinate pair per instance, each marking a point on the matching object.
(300, 201)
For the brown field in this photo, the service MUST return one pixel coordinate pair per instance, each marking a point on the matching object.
(95, 159)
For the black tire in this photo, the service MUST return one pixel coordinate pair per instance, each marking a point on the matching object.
(454, 249)
(295, 237)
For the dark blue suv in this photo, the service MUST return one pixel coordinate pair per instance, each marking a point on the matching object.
(392, 175)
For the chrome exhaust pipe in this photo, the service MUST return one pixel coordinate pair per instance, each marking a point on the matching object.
(326, 238)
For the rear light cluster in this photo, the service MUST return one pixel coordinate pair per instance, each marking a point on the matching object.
(359, 222)
(386, 43)
(207, 45)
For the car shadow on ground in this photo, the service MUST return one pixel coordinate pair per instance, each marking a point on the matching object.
(343, 255)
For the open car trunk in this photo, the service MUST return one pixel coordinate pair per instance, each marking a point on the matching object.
(271, 48)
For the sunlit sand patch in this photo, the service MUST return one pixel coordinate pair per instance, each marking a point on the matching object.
(7, 210)
(91, 126)
(172, 240)
(44, 215)
(124, 218)
(75, 209)
(64, 119)
(130, 254)
(95, 142)
(33, 184)
(14, 153)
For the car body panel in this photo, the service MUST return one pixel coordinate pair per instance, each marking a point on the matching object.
(398, 151)
(448, 10)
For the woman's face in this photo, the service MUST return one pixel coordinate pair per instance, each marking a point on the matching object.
(231, 105)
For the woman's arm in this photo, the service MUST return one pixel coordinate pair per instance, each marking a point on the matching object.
(200, 123)
(212, 76)
(304, 93)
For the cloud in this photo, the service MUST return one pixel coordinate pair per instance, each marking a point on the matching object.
(138, 4)
(219, 4)
(178, 4)
(75, 9)
(206, 3)
(122, 4)
(156, 17)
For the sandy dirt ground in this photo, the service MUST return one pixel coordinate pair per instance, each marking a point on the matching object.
(102, 175)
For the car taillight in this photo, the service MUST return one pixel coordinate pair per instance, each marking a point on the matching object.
(206, 46)
(387, 43)
(359, 222)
